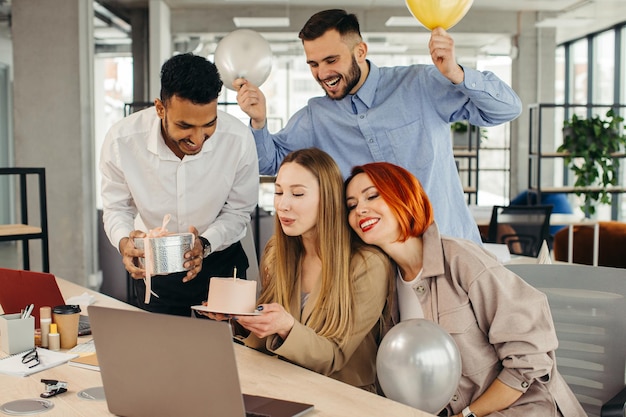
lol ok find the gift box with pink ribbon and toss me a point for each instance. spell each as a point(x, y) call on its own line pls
point(164, 252)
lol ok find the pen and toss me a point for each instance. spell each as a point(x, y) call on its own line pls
point(28, 311)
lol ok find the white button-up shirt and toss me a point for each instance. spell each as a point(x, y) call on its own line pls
point(142, 181)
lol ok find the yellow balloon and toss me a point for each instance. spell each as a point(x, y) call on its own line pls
point(439, 13)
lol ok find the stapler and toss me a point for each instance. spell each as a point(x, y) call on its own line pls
point(53, 387)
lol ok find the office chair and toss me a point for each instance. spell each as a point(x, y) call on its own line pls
point(522, 228)
point(588, 306)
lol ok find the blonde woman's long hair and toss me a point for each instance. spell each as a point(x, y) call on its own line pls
point(332, 315)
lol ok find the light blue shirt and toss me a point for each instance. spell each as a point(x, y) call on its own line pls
point(400, 115)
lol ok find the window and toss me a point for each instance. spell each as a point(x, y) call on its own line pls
point(591, 71)
point(603, 69)
point(578, 72)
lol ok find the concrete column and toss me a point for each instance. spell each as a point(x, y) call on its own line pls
point(160, 43)
point(53, 113)
point(533, 80)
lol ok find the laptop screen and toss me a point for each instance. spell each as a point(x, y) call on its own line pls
point(161, 366)
point(20, 288)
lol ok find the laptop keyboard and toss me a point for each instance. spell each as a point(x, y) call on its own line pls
point(84, 328)
point(87, 347)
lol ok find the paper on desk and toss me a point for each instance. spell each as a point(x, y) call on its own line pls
point(544, 254)
point(85, 299)
point(47, 359)
point(500, 250)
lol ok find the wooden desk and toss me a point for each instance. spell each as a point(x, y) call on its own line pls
point(259, 374)
point(482, 217)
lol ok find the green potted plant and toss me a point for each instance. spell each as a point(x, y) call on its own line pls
point(591, 145)
point(460, 136)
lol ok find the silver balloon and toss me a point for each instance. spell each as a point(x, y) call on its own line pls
point(419, 365)
point(243, 53)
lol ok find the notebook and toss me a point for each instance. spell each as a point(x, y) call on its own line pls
point(87, 361)
point(13, 365)
point(161, 366)
point(20, 288)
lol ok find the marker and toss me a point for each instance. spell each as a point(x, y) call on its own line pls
point(28, 311)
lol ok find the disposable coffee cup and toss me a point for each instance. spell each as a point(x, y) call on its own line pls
point(66, 318)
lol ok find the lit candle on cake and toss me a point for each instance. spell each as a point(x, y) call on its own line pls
point(231, 295)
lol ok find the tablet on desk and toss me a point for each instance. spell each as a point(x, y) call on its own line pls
point(156, 365)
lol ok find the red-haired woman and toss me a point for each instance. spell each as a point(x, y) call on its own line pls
point(501, 325)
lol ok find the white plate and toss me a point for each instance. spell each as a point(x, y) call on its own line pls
point(206, 309)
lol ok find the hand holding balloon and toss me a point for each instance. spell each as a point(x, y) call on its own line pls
point(441, 46)
point(418, 364)
point(243, 53)
point(439, 13)
point(252, 102)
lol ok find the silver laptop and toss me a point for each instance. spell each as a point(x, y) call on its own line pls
point(156, 365)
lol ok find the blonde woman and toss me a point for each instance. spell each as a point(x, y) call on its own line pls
point(324, 295)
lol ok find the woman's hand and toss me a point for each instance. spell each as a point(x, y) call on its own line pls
point(274, 319)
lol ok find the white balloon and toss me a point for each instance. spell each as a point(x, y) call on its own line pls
point(418, 364)
point(243, 53)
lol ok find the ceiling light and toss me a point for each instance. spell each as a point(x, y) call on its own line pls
point(261, 22)
point(402, 21)
point(563, 23)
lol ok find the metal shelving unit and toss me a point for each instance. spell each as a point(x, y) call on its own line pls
point(537, 154)
point(25, 231)
point(466, 156)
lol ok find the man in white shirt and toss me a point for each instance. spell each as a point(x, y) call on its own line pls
point(186, 159)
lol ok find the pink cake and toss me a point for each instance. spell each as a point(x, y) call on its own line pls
point(231, 295)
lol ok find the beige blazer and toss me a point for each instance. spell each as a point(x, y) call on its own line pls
point(355, 362)
point(502, 326)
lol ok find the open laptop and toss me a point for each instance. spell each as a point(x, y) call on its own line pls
point(20, 288)
point(161, 366)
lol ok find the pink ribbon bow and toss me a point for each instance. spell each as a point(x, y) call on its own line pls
point(149, 260)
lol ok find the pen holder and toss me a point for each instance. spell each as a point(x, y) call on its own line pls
point(16, 334)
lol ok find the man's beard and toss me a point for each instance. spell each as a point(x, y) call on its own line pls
point(171, 140)
point(352, 79)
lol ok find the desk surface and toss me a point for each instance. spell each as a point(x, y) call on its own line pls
point(259, 374)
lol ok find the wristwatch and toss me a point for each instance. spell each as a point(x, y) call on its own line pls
point(467, 412)
point(206, 246)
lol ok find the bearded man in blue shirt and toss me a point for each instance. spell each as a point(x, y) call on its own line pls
point(398, 114)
